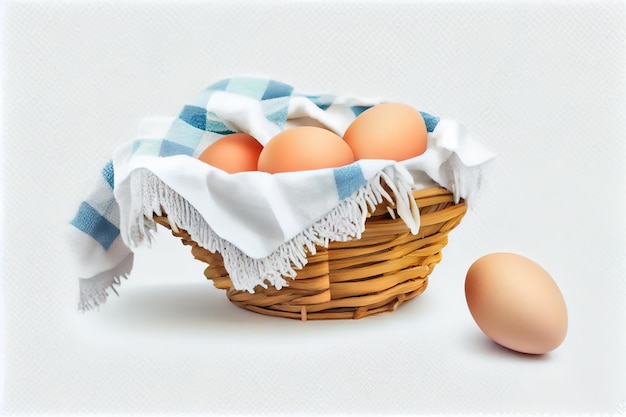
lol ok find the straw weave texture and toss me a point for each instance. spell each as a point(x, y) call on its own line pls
point(385, 268)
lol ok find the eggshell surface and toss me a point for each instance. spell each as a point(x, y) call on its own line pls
point(392, 131)
point(304, 148)
point(516, 303)
point(237, 152)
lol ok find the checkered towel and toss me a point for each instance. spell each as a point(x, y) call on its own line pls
point(263, 225)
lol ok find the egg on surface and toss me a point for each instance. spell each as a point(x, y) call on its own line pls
point(516, 303)
point(304, 148)
point(237, 152)
point(393, 131)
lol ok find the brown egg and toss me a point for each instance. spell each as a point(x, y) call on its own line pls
point(304, 148)
point(393, 131)
point(237, 152)
point(516, 303)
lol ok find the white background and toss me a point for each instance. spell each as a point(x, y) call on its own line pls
point(542, 84)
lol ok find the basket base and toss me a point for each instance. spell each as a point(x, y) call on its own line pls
point(377, 273)
point(319, 312)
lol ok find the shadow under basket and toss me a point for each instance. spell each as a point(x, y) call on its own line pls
point(385, 268)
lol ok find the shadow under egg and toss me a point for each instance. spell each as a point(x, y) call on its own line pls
point(483, 345)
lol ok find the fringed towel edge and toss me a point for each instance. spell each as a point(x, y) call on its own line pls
point(346, 221)
point(93, 291)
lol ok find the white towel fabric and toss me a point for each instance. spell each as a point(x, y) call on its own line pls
point(263, 225)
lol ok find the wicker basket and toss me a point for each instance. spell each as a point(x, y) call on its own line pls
point(387, 267)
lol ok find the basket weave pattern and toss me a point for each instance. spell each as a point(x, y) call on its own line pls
point(385, 268)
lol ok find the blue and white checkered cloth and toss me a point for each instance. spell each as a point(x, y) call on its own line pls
point(263, 225)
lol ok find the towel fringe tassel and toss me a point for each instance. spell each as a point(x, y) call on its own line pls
point(94, 291)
